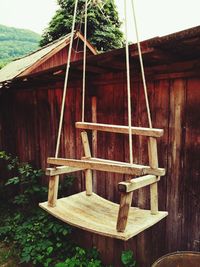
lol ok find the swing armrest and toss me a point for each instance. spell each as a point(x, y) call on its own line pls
point(136, 183)
point(61, 170)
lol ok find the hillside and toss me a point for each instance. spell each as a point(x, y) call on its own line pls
point(15, 43)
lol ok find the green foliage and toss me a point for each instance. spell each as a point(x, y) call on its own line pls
point(39, 238)
point(103, 24)
point(82, 258)
point(15, 43)
point(127, 259)
point(24, 187)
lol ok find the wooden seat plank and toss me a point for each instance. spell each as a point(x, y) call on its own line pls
point(125, 168)
point(91, 210)
point(120, 129)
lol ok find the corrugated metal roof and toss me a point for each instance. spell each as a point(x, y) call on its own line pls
point(16, 67)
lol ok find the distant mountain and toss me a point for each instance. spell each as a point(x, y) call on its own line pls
point(15, 43)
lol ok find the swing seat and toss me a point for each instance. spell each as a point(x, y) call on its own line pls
point(98, 215)
point(90, 212)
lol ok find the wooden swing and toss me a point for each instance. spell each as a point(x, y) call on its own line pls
point(87, 210)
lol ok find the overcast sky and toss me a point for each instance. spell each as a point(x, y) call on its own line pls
point(155, 17)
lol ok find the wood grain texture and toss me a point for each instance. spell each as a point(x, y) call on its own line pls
point(125, 168)
point(61, 170)
point(136, 183)
point(53, 190)
point(94, 138)
point(153, 162)
point(88, 172)
point(124, 207)
point(119, 129)
point(91, 210)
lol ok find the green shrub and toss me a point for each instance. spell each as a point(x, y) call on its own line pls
point(128, 259)
point(39, 238)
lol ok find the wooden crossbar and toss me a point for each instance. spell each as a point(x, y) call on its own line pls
point(119, 129)
point(107, 166)
point(61, 170)
point(136, 183)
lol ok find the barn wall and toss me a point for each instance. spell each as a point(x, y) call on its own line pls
point(29, 121)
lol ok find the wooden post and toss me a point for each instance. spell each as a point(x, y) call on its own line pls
point(94, 139)
point(53, 190)
point(153, 162)
point(88, 172)
point(125, 203)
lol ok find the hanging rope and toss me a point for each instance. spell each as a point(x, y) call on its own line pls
point(84, 63)
point(66, 81)
point(141, 65)
point(128, 86)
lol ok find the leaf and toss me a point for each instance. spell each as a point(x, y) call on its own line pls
point(14, 180)
point(49, 250)
point(127, 258)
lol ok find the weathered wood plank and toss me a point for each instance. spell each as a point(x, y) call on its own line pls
point(98, 215)
point(53, 190)
point(124, 207)
point(175, 167)
point(94, 138)
point(153, 162)
point(190, 175)
point(107, 166)
point(119, 129)
point(88, 172)
point(61, 170)
point(137, 183)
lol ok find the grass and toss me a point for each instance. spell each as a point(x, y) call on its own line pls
point(6, 257)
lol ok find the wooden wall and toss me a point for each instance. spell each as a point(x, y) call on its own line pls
point(28, 128)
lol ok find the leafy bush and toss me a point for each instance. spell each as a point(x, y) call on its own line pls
point(82, 258)
point(23, 185)
point(128, 259)
point(39, 238)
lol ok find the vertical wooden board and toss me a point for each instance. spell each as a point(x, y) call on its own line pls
point(102, 109)
point(191, 177)
point(8, 130)
point(135, 122)
point(26, 116)
point(157, 241)
point(68, 144)
point(57, 106)
point(110, 144)
point(80, 185)
point(144, 248)
point(94, 144)
point(118, 119)
point(143, 195)
point(160, 116)
point(53, 119)
point(44, 127)
point(175, 164)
